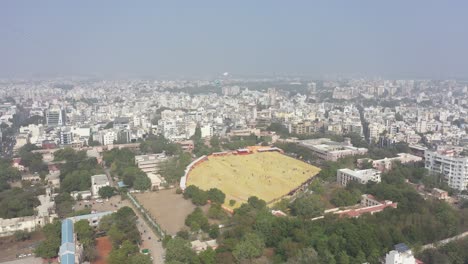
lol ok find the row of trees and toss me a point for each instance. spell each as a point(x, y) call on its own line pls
point(125, 237)
point(159, 144)
point(201, 197)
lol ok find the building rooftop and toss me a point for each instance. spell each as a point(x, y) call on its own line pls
point(67, 231)
point(90, 216)
point(149, 157)
point(402, 247)
point(362, 174)
point(99, 179)
point(67, 258)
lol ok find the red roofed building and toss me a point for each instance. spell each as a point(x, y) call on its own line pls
point(370, 205)
point(16, 163)
point(243, 151)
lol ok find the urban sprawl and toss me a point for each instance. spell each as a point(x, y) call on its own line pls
point(102, 170)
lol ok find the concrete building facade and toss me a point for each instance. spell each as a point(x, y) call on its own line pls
point(344, 176)
point(452, 166)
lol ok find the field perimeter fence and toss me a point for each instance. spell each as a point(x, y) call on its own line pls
point(147, 216)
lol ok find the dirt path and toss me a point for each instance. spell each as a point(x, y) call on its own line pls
point(444, 241)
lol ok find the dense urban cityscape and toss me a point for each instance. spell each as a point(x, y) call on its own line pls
point(233, 132)
point(97, 145)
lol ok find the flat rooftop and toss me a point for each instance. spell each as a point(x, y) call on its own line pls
point(99, 179)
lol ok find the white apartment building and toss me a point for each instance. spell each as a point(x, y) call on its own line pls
point(401, 255)
point(149, 163)
point(344, 176)
point(452, 166)
point(105, 137)
point(97, 182)
point(206, 131)
point(66, 136)
point(386, 164)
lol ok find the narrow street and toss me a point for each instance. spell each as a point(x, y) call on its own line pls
point(150, 241)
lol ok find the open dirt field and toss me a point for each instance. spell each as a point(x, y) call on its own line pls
point(103, 247)
point(267, 175)
point(167, 208)
point(11, 249)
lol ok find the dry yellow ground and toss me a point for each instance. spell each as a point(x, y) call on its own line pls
point(267, 175)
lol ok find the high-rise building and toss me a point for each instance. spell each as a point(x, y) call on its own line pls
point(66, 136)
point(448, 163)
point(55, 116)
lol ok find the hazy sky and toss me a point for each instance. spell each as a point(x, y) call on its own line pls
point(412, 39)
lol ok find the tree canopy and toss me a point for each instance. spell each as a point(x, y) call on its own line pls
point(50, 246)
point(122, 163)
point(18, 202)
point(106, 191)
point(7, 174)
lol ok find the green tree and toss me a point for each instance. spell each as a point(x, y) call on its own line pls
point(64, 204)
point(216, 212)
point(256, 203)
point(208, 256)
point(142, 182)
point(304, 256)
point(307, 206)
point(85, 235)
point(178, 249)
point(198, 196)
point(197, 220)
point(140, 259)
point(251, 246)
point(216, 195)
point(18, 202)
point(345, 197)
point(214, 231)
point(50, 246)
point(106, 192)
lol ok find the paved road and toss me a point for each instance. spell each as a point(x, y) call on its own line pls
point(445, 241)
point(109, 177)
point(150, 241)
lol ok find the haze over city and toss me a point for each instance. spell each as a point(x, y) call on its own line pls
point(393, 39)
